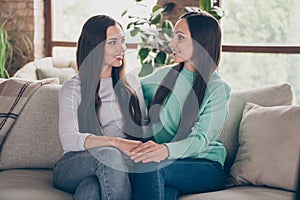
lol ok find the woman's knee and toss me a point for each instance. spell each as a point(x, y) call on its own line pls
point(110, 157)
point(106, 151)
point(151, 167)
point(89, 188)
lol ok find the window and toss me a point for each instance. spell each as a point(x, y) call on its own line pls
point(65, 19)
point(248, 70)
point(261, 40)
point(261, 22)
point(261, 43)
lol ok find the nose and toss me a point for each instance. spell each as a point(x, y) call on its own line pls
point(122, 47)
point(172, 43)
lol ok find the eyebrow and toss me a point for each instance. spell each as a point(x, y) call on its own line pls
point(179, 32)
point(123, 37)
point(112, 39)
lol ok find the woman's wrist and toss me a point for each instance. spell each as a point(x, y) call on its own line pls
point(92, 141)
point(114, 141)
point(168, 151)
point(86, 142)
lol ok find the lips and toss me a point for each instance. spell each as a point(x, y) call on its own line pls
point(119, 57)
point(175, 52)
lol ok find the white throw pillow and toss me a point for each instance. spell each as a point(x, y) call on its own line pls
point(50, 72)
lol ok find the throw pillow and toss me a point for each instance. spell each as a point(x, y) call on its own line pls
point(268, 95)
point(33, 141)
point(50, 72)
point(269, 141)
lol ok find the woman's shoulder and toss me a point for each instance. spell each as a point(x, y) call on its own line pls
point(74, 80)
point(71, 84)
point(163, 70)
point(132, 80)
point(216, 83)
point(158, 74)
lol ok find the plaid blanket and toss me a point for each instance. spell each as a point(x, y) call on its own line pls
point(14, 94)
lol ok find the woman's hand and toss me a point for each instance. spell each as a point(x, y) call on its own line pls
point(124, 145)
point(149, 152)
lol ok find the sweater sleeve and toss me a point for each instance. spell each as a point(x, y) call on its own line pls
point(69, 99)
point(206, 129)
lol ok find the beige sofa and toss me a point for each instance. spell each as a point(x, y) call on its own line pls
point(32, 148)
point(48, 67)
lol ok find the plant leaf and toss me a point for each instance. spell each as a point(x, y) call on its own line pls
point(155, 8)
point(168, 7)
point(156, 19)
point(160, 58)
point(219, 11)
point(134, 32)
point(146, 69)
point(191, 9)
point(167, 24)
point(129, 25)
point(123, 12)
point(143, 53)
point(4, 52)
point(167, 27)
point(205, 4)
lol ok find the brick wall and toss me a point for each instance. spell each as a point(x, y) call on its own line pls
point(25, 27)
point(39, 29)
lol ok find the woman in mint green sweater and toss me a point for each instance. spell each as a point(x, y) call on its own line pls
point(188, 106)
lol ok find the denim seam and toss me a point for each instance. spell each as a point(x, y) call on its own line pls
point(102, 166)
point(159, 185)
point(63, 160)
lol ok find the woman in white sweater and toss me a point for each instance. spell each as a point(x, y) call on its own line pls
point(100, 111)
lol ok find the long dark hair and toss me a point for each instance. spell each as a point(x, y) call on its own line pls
point(89, 55)
point(206, 34)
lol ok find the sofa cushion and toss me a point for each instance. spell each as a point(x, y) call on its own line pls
point(271, 95)
point(243, 193)
point(269, 141)
point(33, 142)
point(29, 185)
point(29, 70)
point(51, 72)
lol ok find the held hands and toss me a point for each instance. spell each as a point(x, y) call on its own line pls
point(142, 152)
point(149, 152)
point(138, 151)
point(126, 146)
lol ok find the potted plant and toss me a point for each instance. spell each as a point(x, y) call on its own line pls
point(155, 33)
point(153, 50)
point(208, 6)
point(13, 44)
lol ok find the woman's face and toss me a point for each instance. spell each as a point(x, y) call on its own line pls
point(114, 47)
point(181, 43)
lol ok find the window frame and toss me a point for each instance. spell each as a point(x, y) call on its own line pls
point(281, 49)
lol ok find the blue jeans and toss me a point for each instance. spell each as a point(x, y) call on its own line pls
point(99, 173)
point(170, 180)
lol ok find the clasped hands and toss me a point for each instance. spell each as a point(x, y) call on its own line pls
point(144, 152)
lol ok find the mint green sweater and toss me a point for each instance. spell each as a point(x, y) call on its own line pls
point(203, 140)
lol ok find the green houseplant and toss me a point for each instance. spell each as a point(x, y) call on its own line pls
point(14, 44)
point(5, 50)
point(153, 50)
point(208, 6)
point(154, 33)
